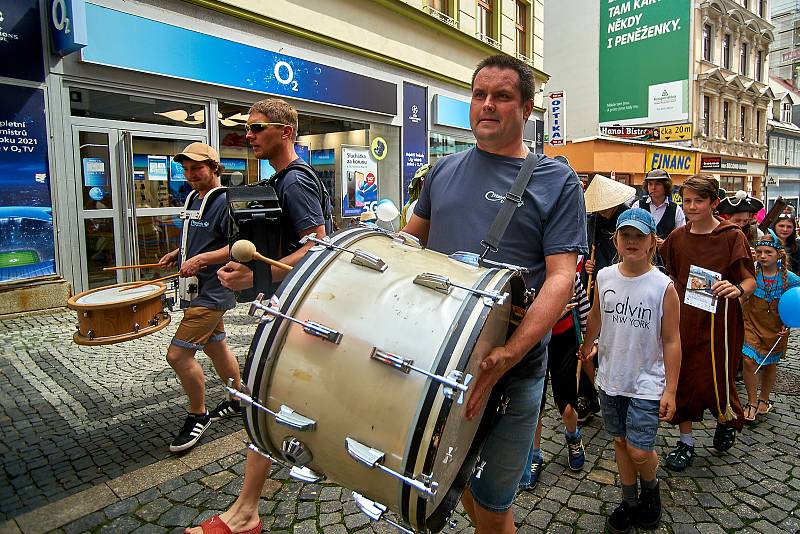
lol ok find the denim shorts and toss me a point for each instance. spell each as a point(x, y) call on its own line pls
point(636, 420)
point(504, 456)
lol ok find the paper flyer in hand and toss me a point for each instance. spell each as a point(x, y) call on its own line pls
point(698, 288)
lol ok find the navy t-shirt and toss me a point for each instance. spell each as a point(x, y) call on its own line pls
point(463, 193)
point(206, 234)
point(299, 197)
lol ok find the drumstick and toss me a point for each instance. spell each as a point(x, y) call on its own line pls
point(590, 281)
point(142, 266)
point(243, 251)
point(141, 284)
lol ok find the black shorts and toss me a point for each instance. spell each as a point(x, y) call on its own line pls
point(562, 366)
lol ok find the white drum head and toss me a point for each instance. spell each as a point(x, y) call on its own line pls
point(113, 295)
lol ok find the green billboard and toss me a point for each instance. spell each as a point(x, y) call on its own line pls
point(644, 61)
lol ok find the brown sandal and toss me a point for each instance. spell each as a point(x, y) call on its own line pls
point(749, 408)
point(769, 407)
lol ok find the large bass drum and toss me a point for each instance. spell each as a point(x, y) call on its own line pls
point(364, 361)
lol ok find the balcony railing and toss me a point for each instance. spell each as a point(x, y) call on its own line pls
point(488, 40)
point(444, 17)
point(524, 58)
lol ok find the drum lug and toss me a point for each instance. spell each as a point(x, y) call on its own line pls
point(90, 334)
point(285, 416)
point(455, 383)
point(133, 308)
point(372, 458)
point(360, 257)
point(403, 238)
point(136, 327)
point(309, 327)
point(375, 510)
point(86, 315)
point(442, 284)
point(448, 457)
point(304, 474)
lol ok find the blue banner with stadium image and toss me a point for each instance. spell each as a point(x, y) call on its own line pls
point(27, 248)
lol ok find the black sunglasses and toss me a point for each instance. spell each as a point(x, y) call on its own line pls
point(258, 127)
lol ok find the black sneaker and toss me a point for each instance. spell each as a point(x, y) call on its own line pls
point(680, 457)
point(193, 428)
point(586, 408)
point(226, 408)
point(621, 519)
point(648, 513)
point(724, 437)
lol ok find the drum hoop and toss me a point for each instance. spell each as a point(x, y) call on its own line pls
point(425, 407)
point(298, 279)
point(444, 415)
point(73, 304)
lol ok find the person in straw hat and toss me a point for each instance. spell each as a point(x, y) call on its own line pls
point(605, 200)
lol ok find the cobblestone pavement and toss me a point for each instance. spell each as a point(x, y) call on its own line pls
point(86, 430)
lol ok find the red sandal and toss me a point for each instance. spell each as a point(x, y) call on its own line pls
point(215, 525)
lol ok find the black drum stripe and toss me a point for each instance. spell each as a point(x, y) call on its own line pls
point(328, 255)
point(433, 388)
point(447, 405)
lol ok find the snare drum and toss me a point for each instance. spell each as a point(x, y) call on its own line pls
point(109, 315)
point(363, 362)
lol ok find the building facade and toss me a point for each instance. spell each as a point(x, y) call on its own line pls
point(784, 60)
point(677, 85)
point(382, 85)
point(783, 172)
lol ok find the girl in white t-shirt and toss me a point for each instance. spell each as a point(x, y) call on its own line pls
point(636, 314)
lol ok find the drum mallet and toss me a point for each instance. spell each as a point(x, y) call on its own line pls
point(244, 251)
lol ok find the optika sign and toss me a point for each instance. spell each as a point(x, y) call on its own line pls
point(556, 118)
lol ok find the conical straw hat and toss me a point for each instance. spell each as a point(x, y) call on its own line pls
point(604, 193)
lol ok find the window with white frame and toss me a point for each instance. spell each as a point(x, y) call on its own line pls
point(786, 112)
point(790, 152)
point(707, 32)
point(759, 67)
point(773, 151)
point(781, 151)
point(706, 114)
point(743, 58)
point(797, 152)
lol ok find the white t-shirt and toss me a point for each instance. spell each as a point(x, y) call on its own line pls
point(630, 351)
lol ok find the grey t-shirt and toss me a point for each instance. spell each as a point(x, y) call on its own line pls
point(463, 193)
point(205, 234)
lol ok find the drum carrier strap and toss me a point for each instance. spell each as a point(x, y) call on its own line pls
point(511, 202)
point(194, 215)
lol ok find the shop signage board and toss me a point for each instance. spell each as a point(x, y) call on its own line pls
point(556, 118)
point(790, 55)
point(415, 132)
point(644, 61)
point(450, 112)
point(168, 50)
point(21, 40)
point(673, 161)
point(26, 216)
point(359, 181)
point(67, 22)
point(675, 132)
point(638, 133)
point(721, 164)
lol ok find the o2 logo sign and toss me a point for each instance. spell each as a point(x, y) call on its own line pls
point(58, 14)
point(284, 73)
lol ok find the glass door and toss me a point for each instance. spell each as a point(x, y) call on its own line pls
point(130, 193)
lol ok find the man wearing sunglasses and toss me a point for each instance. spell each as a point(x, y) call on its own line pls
point(306, 208)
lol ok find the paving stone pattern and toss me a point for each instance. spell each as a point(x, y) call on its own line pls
point(59, 429)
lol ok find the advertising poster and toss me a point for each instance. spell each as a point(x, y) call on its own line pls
point(21, 39)
point(360, 181)
point(415, 132)
point(26, 216)
point(157, 168)
point(646, 42)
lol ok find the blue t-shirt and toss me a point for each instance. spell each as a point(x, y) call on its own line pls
point(206, 234)
point(462, 195)
point(771, 288)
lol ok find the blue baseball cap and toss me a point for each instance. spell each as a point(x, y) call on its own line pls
point(639, 219)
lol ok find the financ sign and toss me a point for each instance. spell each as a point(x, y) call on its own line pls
point(644, 61)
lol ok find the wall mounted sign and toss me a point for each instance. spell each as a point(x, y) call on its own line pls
point(168, 50)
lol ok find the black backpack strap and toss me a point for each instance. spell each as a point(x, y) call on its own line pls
point(300, 165)
point(512, 201)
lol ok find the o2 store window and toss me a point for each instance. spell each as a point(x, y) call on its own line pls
point(443, 145)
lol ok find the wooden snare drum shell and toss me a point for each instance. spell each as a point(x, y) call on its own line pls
point(350, 395)
point(114, 322)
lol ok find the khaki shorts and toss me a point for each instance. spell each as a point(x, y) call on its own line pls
point(200, 326)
